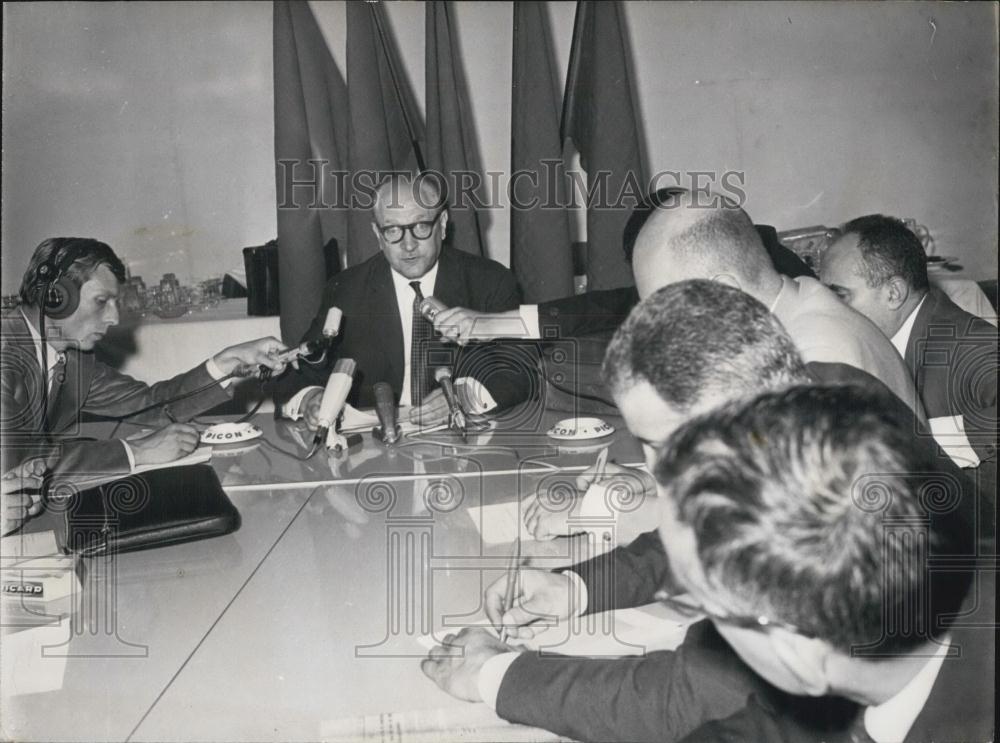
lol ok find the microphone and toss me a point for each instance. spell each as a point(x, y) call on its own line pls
point(331, 329)
point(430, 307)
point(338, 386)
point(387, 431)
point(442, 375)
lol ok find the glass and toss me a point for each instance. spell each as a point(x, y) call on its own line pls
point(690, 610)
point(393, 233)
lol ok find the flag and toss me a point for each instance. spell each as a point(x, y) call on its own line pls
point(600, 118)
point(540, 241)
point(310, 124)
point(384, 122)
point(450, 146)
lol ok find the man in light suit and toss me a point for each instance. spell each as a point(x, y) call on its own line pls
point(383, 331)
point(69, 298)
point(878, 267)
point(685, 349)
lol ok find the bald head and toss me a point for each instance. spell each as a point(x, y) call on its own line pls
point(684, 239)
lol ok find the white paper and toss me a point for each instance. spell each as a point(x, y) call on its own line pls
point(199, 456)
point(500, 523)
point(18, 547)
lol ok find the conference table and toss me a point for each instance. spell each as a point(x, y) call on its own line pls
point(317, 609)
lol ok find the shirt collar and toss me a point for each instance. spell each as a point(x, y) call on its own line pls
point(54, 356)
point(890, 722)
point(785, 281)
point(902, 337)
point(427, 281)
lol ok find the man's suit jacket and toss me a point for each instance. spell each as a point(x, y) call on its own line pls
point(953, 357)
point(664, 695)
point(83, 385)
point(371, 332)
point(960, 706)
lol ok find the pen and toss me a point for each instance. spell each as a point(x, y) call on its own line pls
point(508, 599)
point(601, 464)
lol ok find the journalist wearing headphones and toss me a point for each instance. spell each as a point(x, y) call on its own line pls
point(69, 299)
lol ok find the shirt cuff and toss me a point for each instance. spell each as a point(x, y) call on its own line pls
point(477, 398)
point(130, 455)
point(578, 588)
point(529, 316)
point(217, 374)
point(491, 676)
point(291, 408)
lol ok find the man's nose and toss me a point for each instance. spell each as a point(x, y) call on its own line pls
point(410, 243)
point(111, 314)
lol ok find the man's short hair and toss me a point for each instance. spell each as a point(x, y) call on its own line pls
point(793, 496)
point(87, 255)
point(888, 248)
point(660, 198)
point(429, 190)
point(696, 337)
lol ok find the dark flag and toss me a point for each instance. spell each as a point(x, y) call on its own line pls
point(600, 118)
point(384, 118)
point(450, 146)
point(310, 124)
point(540, 252)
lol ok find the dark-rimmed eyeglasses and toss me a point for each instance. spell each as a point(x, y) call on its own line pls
point(690, 610)
point(393, 233)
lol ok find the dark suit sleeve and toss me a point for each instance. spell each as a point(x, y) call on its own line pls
point(592, 313)
point(660, 696)
point(626, 576)
point(114, 394)
point(506, 369)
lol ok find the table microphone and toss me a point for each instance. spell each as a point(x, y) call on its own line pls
point(387, 431)
point(338, 386)
point(442, 375)
point(430, 307)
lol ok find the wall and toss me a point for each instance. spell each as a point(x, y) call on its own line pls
point(150, 125)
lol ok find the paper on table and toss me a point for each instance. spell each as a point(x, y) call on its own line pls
point(499, 523)
point(199, 456)
point(24, 667)
point(470, 723)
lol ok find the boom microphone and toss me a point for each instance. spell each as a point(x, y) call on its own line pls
point(387, 431)
point(338, 386)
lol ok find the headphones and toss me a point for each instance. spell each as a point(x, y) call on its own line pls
point(59, 296)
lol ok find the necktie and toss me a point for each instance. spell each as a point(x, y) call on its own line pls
point(422, 333)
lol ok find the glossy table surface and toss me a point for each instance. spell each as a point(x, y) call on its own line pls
point(314, 609)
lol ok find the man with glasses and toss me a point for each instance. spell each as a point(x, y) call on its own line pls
point(684, 350)
point(382, 329)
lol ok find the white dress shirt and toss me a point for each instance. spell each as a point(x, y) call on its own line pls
point(902, 336)
point(890, 721)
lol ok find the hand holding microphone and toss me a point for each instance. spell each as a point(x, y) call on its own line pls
point(461, 325)
point(331, 329)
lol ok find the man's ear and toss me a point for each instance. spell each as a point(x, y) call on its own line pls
point(443, 224)
point(804, 658)
point(728, 279)
point(896, 292)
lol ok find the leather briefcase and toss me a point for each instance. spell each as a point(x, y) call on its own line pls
point(153, 509)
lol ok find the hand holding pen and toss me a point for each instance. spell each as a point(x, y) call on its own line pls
point(539, 599)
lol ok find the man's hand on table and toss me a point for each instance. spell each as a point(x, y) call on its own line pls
point(165, 445)
point(546, 516)
point(260, 352)
point(455, 666)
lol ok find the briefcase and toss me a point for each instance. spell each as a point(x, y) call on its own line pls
point(154, 509)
